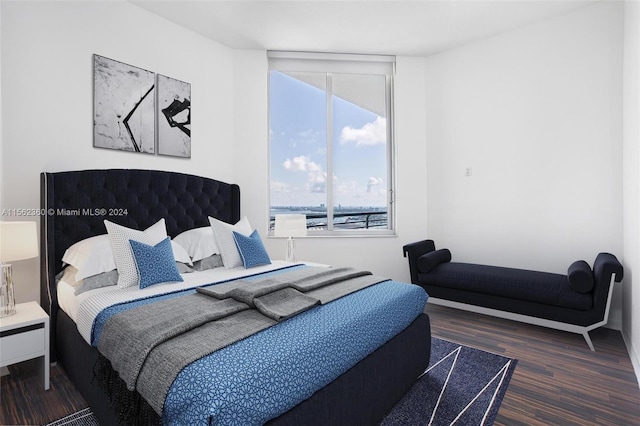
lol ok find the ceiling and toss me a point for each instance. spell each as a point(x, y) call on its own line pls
point(395, 27)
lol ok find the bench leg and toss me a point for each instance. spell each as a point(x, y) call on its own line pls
point(588, 339)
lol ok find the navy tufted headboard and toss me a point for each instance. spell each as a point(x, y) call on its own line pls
point(75, 204)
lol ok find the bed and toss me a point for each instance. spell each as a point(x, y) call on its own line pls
point(76, 204)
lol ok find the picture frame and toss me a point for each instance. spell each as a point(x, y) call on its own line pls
point(173, 117)
point(124, 106)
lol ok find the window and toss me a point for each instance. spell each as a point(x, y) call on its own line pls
point(331, 145)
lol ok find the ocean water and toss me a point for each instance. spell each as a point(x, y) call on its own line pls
point(343, 217)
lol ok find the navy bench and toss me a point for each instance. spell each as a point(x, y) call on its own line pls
point(577, 302)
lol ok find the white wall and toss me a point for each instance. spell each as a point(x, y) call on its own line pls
point(537, 115)
point(47, 79)
point(251, 130)
point(382, 255)
point(631, 166)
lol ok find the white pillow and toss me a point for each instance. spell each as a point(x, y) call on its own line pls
point(223, 233)
point(103, 279)
point(198, 242)
point(180, 254)
point(91, 256)
point(68, 275)
point(119, 236)
point(94, 255)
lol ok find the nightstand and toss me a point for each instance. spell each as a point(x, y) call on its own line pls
point(25, 335)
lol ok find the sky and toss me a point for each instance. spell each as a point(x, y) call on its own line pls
point(298, 148)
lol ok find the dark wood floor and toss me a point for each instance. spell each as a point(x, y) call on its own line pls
point(25, 402)
point(558, 380)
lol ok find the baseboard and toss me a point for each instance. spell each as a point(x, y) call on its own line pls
point(613, 324)
point(635, 361)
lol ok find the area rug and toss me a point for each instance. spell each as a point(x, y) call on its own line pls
point(462, 386)
point(81, 418)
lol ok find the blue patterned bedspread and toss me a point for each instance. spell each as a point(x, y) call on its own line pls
point(265, 375)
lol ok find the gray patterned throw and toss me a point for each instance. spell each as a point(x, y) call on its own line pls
point(149, 345)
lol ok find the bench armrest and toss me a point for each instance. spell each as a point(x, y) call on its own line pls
point(414, 251)
point(605, 267)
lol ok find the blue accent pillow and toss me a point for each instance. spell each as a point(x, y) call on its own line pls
point(251, 249)
point(155, 264)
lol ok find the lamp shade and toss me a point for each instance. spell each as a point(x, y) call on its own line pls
point(290, 225)
point(18, 241)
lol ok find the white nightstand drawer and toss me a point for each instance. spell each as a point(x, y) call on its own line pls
point(22, 345)
point(25, 335)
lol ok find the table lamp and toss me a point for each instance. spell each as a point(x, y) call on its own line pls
point(18, 241)
point(290, 226)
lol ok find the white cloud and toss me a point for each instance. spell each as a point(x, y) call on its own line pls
point(370, 192)
point(300, 164)
point(314, 167)
point(318, 188)
point(370, 134)
point(305, 137)
point(373, 183)
point(309, 135)
point(317, 180)
point(316, 177)
point(277, 186)
point(349, 187)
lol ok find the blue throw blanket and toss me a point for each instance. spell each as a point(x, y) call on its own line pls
point(265, 375)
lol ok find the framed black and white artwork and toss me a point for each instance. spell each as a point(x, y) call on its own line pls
point(124, 106)
point(174, 117)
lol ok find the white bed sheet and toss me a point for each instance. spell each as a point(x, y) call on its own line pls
point(106, 296)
